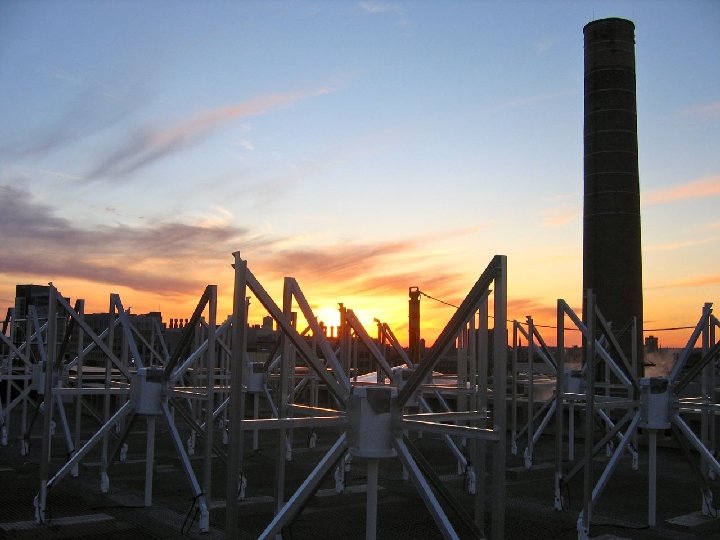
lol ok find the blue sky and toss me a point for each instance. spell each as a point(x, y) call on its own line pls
point(362, 147)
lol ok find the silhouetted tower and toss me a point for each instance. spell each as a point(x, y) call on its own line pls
point(414, 325)
point(612, 259)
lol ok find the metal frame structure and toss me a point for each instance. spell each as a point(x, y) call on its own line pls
point(652, 404)
point(599, 345)
point(143, 390)
point(535, 346)
point(371, 418)
point(206, 379)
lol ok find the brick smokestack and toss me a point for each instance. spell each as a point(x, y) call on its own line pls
point(612, 258)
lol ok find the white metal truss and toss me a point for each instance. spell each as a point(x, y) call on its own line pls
point(536, 346)
point(205, 379)
point(144, 387)
point(652, 404)
point(371, 418)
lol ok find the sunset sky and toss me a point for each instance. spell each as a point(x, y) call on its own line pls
point(361, 147)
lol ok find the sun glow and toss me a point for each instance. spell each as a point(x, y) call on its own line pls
point(328, 316)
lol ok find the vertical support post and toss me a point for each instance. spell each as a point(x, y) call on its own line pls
point(343, 330)
point(210, 362)
point(124, 360)
point(51, 337)
point(256, 415)
point(24, 444)
point(461, 356)
point(149, 459)
point(530, 393)
point(571, 431)
point(5, 420)
point(559, 401)
point(584, 521)
point(79, 379)
point(237, 396)
point(414, 325)
point(652, 477)
point(481, 405)
point(380, 375)
point(287, 351)
point(472, 356)
point(513, 372)
point(292, 364)
point(104, 480)
point(713, 388)
point(499, 397)
point(638, 371)
point(372, 499)
point(706, 416)
point(354, 362)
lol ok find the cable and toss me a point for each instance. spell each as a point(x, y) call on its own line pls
point(618, 526)
point(668, 329)
point(710, 502)
point(490, 316)
point(117, 507)
point(437, 299)
point(310, 436)
point(197, 511)
point(564, 484)
point(465, 482)
point(645, 330)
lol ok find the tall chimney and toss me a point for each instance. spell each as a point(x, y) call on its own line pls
point(612, 258)
point(414, 325)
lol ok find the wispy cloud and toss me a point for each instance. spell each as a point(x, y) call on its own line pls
point(441, 283)
point(176, 259)
point(554, 218)
point(154, 258)
point(367, 269)
point(86, 114)
point(150, 144)
point(34, 171)
point(531, 100)
point(701, 188)
point(543, 45)
point(350, 262)
point(541, 312)
point(338, 263)
point(372, 6)
point(672, 246)
point(703, 110)
point(701, 280)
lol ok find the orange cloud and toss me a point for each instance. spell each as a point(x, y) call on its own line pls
point(558, 217)
point(161, 259)
point(701, 280)
point(672, 246)
point(703, 187)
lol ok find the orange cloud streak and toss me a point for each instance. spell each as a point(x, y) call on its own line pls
point(693, 281)
point(703, 187)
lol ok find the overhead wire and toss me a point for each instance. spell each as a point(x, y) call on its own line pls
point(437, 299)
point(645, 330)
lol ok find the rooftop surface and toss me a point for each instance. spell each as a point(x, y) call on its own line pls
point(77, 509)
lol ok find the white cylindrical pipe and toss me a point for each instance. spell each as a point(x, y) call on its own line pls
point(372, 498)
point(652, 477)
point(149, 459)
